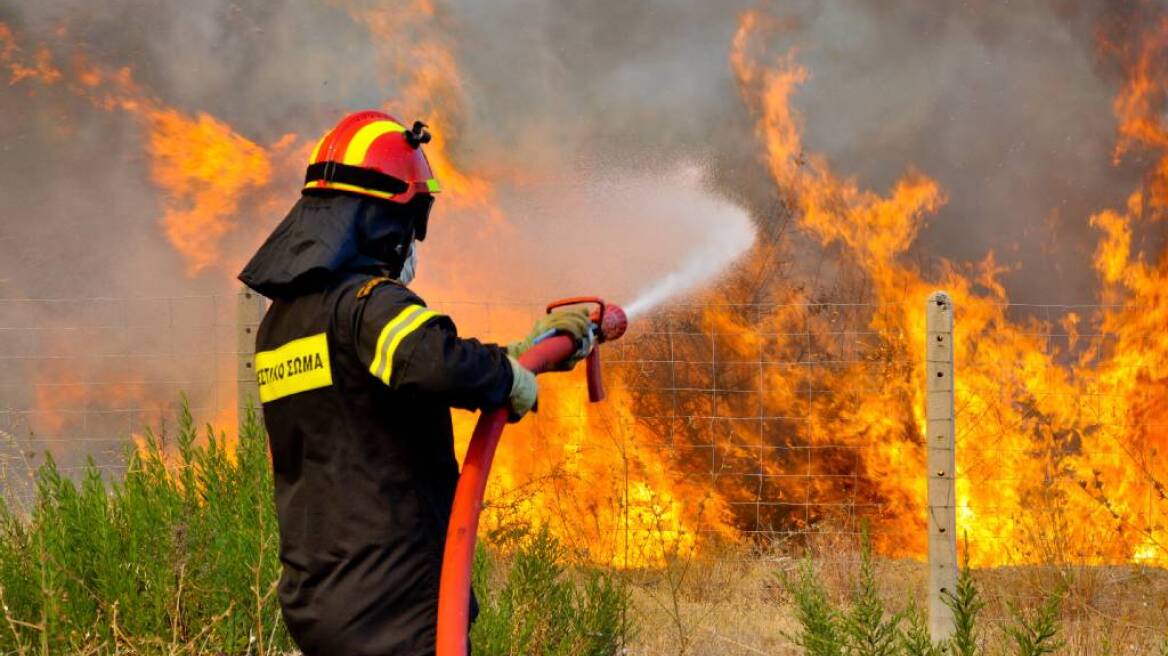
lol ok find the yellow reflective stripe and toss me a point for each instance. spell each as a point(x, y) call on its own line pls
point(326, 184)
point(360, 143)
point(298, 366)
point(396, 330)
point(432, 186)
point(391, 348)
point(387, 331)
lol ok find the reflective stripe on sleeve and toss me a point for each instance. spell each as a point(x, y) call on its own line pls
point(397, 329)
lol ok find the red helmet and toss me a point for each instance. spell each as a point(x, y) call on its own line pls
point(372, 154)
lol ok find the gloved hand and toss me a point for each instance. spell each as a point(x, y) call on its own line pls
point(573, 321)
point(524, 390)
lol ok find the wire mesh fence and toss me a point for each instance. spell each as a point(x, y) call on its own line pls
point(760, 423)
point(80, 377)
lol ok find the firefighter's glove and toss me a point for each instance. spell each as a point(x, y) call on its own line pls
point(570, 321)
point(524, 390)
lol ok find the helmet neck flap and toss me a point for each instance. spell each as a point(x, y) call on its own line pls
point(329, 235)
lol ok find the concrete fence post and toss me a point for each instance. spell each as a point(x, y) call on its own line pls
point(941, 462)
point(249, 309)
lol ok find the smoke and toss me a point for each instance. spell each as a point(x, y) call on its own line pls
point(570, 122)
point(1007, 107)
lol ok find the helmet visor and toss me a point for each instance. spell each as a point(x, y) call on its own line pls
point(419, 208)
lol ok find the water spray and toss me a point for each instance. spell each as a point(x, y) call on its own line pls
point(609, 322)
point(689, 276)
point(716, 251)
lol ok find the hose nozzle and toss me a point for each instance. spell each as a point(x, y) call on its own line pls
point(610, 323)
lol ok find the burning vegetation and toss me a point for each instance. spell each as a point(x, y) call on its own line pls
point(767, 405)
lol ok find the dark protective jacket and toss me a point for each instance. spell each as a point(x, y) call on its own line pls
point(357, 377)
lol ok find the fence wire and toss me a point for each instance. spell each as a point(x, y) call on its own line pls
point(788, 422)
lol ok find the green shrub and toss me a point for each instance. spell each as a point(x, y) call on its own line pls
point(966, 604)
point(540, 611)
point(914, 639)
point(178, 556)
point(820, 633)
point(868, 629)
point(1037, 634)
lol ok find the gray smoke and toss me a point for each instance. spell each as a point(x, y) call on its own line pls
point(1006, 105)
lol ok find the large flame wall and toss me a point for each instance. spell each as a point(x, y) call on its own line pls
point(787, 398)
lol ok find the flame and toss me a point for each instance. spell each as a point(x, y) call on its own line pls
point(598, 479)
point(39, 68)
point(201, 165)
point(1055, 459)
point(205, 168)
point(420, 61)
point(790, 429)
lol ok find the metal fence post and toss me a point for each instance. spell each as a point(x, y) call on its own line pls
point(941, 462)
point(249, 311)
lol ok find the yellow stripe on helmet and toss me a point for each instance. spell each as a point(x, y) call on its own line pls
point(328, 184)
point(319, 145)
point(360, 143)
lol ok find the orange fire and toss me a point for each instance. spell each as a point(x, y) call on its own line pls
point(40, 67)
point(420, 62)
point(798, 416)
point(203, 168)
point(592, 474)
point(1056, 459)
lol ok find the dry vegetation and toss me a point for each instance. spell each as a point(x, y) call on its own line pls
point(179, 558)
point(733, 605)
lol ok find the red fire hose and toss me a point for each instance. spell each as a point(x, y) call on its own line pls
point(609, 323)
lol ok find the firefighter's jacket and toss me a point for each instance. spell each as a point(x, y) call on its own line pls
point(357, 381)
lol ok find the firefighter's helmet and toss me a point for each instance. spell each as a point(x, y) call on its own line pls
point(371, 153)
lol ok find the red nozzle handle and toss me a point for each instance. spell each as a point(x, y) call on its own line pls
point(611, 322)
point(577, 300)
point(595, 377)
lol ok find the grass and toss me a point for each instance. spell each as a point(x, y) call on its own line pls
point(1100, 611)
point(178, 556)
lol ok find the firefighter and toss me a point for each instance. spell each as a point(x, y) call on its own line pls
point(357, 377)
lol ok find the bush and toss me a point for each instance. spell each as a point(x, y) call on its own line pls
point(1036, 634)
point(966, 604)
point(869, 630)
point(820, 633)
point(178, 556)
point(540, 610)
point(866, 628)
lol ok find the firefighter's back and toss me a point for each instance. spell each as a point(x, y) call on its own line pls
point(364, 475)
